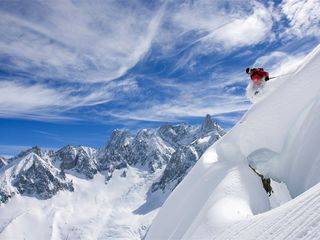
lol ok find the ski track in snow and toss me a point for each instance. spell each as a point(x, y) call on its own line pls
point(221, 197)
point(297, 219)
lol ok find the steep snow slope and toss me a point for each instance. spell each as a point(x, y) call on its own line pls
point(279, 135)
point(297, 219)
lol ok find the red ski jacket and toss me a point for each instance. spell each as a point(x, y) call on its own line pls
point(257, 74)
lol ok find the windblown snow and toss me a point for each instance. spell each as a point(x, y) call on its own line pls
point(222, 198)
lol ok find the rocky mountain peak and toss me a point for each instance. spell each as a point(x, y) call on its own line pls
point(34, 149)
point(175, 134)
point(67, 155)
point(120, 137)
point(208, 124)
point(33, 176)
point(86, 162)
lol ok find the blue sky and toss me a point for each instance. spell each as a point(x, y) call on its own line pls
point(72, 71)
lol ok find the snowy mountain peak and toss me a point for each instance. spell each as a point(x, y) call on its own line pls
point(33, 176)
point(68, 156)
point(120, 137)
point(34, 149)
point(27, 161)
point(209, 125)
point(178, 134)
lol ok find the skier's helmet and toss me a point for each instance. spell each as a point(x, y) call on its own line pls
point(248, 70)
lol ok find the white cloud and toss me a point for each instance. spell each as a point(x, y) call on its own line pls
point(205, 27)
point(191, 100)
point(280, 63)
point(303, 16)
point(248, 30)
point(38, 101)
point(81, 47)
point(77, 41)
point(173, 112)
point(19, 97)
point(241, 23)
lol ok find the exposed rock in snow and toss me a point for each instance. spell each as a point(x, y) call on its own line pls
point(30, 175)
point(35, 150)
point(80, 159)
point(209, 125)
point(187, 154)
point(153, 149)
point(34, 176)
point(180, 163)
point(117, 152)
point(67, 156)
point(86, 161)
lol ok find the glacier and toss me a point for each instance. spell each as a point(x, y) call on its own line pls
point(222, 198)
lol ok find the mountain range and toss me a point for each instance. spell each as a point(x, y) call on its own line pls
point(148, 165)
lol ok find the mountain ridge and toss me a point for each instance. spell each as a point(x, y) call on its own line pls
point(150, 149)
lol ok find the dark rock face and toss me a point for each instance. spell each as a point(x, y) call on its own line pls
point(180, 162)
point(149, 150)
point(5, 196)
point(31, 175)
point(188, 153)
point(68, 156)
point(117, 153)
point(40, 179)
point(81, 159)
point(177, 135)
point(86, 162)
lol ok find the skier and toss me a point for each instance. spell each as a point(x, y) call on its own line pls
point(258, 75)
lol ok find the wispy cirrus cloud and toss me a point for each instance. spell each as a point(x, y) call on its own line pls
point(76, 41)
point(40, 101)
point(216, 25)
point(57, 56)
point(62, 56)
point(303, 17)
point(195, 99)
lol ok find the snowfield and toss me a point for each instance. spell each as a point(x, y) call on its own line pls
point(222, 198)
point(93, 211)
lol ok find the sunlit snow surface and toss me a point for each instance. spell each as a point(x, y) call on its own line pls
point(221, 198)
point(94, 211)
